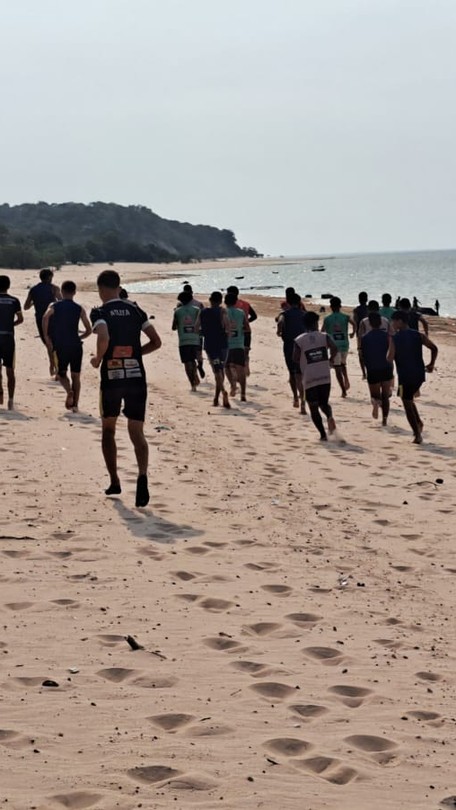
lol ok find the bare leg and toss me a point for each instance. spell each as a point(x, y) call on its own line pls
point(327, 410)
point(109, 448)
point(294, 389)
point(345, 376)
point(340, 379)
point(361, 363)
point(190, 370)
point(65, 383)
point(11, 378)
point(232, 379)
point(300, 388)
point(1, 386)
point(317, 420)
point(76, 387)
point(240, 374)
point(386, 388)
point(413, 419)
point(136, 432)
point(247, 361)
point(376, 396)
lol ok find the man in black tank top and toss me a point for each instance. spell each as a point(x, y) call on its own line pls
point(291, 324)
point(39, 297)
point(215, 327)
point(118, 325)
point(64, 316)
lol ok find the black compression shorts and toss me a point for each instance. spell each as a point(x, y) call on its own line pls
point(133, 396)
point(236, 357)
point(318, 395)
point(379, 375)
point(408, 390)
point(7, 350)
point(188, 354)
point(69, 356)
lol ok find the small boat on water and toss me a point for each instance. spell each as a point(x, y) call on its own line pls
point(319, 268)
point(238, 277)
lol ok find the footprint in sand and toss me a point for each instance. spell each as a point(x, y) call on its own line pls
point(116, 674)
point(449, 802)
point(171, 722)
point(432, 718)
point(223, 644)
point(185, 576)
point(259, 566)
point(215, 605)
point(78, 800)
point(19, 605)
point(381, 749)
point(428, 676)
point(65, 602)
point(277, 590)
point(303, 619)
point(308, 711)
point(271, 689)
point(251, 667)
point(197, 550)
point(289, 746)
point(351, 696)
point(16, 554)
point(263, 628)
point(110, 639)
point(325, 655)
point(327, 768)
point(164, 775)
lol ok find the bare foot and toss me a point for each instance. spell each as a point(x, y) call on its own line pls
point(296, 403)
point(10, 405)
point(418, 439)
point(69, 400)
point(344, 393)
point(226, 402)
point(243, 398)
point(233, 391)
point(215, 402)
point(374, 408)
point(303, 408)
point(331, 424)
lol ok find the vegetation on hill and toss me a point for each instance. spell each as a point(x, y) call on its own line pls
point(36, 235)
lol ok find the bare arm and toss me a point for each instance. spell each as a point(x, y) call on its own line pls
point(174, 324)
point(280, 325)
point(425, 324)
point(87, 326)
point(28, 301)
point(46, 318)
point(19, 318)
point(102, 334)
point(391, 353)
point(333, 350)
point(246, 324)
point(353, 326)
point(57, 293)
point(252, 314)
point(434, 352)
point(154, 342)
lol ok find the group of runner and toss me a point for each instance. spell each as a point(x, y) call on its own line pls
point(384, 335)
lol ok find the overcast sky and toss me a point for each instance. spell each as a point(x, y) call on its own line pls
point(306, 126)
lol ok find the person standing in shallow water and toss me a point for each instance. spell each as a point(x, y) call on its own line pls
point(118, 325)
point(406, 349)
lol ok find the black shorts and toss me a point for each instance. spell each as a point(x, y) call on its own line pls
point(68, 356)
point(288, 351)
point(236, 357)
point(39, 326)
point(217, 358)
point(7, 350)
point(408, 390)
point(379, 375)
point(318, 395)
point(133, 396)
point(188, 354)
point(247, 340)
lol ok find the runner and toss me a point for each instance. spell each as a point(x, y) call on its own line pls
point(186, 323)
point(251, 316)
point(40, 296)
point(365, 327)
point(336, 326)
point(235, 363)
point(118, 325)
point(375, 346)
point(359, 313)
point(214, 326)
point(63, 318)
point(386, 309)
point(406, 348)
point(199, 304)
point(414, 318)
point(311, 352)
point(290, 325)
point(10, 316)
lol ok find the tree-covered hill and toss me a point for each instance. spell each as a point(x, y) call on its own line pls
point(33, 235)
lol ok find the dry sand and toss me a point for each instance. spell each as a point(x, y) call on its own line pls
point(262, 683)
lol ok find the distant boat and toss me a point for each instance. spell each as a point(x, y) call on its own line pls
point(319, 268)
point(238, 277)
point(275, 272)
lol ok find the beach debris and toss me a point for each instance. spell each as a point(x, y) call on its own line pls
point(133, 643)
point(49, 682)
point(73, 670)
point(439, 480)
point(161, 427)
point(344, 580)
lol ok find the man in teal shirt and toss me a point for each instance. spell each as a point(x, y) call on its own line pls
point(336, 326)
point(387, 310)
point(235, 362)
point(186, 323)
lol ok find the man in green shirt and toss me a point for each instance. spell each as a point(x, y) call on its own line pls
point(186, 323)
point(386, 309)
point(336, 326)
point(235, 362)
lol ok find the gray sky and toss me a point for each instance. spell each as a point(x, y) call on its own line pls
point(306, 126)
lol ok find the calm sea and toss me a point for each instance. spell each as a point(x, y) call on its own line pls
point(428, 275)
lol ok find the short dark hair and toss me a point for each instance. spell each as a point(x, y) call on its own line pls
point(404, 303)
point(373, 306)
point(46, 274)
point(362, 297)
point(185, 297)
point(310, 318)
point(233, 289)
point(230, 299)
point(289, 293)
point(123, 293)
point(295, 300)
point(4, 283)
point(386, 299)
point(400, 315)
point(109, 279)
point(68, 287)
point(216, 297)
point(335, 302)
point(188, 288)
point(375, 319)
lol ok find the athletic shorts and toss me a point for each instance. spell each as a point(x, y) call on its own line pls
point(68, 356)
point(340, 359)
point(217, 358)
point(408, 390)
point(379, 375)
point(7, 350)
point(318, 395)
point(133, 396)
point(247, 340)
point(188, 354)
point(288, 351)
point(236, 357)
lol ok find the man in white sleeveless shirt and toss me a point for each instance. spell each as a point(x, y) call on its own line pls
point(311, 352)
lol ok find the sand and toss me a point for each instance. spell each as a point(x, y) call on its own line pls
point(295, 601)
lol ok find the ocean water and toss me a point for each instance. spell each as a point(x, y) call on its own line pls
point(429, 275)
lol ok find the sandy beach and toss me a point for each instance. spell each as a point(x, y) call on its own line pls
point(294, 601)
